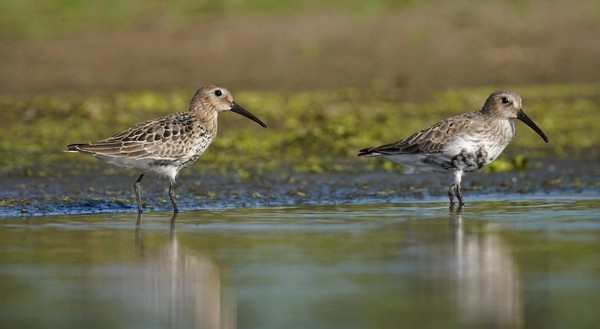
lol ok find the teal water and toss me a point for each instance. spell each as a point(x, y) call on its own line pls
point(502, 264)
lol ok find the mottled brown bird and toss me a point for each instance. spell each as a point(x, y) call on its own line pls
point(167, 144)
point(462, 143)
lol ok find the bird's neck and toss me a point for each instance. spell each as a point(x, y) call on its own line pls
point(207, 117)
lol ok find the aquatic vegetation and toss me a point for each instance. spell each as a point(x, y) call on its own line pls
point(312, 131)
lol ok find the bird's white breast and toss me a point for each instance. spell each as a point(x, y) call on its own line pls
point(477, 148)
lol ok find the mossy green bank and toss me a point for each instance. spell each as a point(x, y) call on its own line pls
point(311, 131)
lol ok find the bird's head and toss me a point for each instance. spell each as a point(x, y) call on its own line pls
point(216, 99)
point(506, 104)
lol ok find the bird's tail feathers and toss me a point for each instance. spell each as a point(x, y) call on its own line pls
point(367, 152)
point(74, 147)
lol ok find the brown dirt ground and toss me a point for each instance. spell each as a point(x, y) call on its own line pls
point(427, 47)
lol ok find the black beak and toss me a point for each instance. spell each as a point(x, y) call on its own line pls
point(523, 117)
point(240, 110)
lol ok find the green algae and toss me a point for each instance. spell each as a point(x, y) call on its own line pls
point(312, 131)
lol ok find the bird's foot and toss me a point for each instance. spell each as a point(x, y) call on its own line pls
point(459, 196)
point(454, 191)
point(451, 195)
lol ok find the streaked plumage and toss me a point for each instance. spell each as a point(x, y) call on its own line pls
point(170, 143)
point(462, 143)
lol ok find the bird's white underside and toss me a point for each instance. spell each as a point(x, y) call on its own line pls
point(145, 165)
point(466, 143)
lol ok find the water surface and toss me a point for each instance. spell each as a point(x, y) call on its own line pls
point(503, 263)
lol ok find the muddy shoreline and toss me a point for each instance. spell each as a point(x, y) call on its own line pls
point(111, 192)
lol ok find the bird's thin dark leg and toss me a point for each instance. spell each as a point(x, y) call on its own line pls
point(459, 196)
point(138, 198)
point(451, 195)
point(172, 196)
point(455, 189)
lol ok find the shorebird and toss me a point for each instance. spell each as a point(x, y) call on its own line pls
point(463, 143)
point(167, 144)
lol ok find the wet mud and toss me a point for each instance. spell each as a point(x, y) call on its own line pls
point(103, 191)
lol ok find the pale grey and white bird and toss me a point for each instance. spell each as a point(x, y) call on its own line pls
point(167, 144)
point(463, 143)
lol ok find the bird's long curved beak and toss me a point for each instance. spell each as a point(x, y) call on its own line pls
point(523, 117)
point(240, 110)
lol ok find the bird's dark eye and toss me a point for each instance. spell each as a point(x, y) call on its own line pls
point(504, 100)
point(218, 93)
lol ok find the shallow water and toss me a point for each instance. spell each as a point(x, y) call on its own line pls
point(499, 263)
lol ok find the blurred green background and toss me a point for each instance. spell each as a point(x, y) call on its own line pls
point(413, 45)
point(346, 74)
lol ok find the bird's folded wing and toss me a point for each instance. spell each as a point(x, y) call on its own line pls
point(132, 149)
point(430, 140)
point(159, 138)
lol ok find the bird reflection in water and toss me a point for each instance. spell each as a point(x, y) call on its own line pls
point(486, 279)
point(182, 288)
